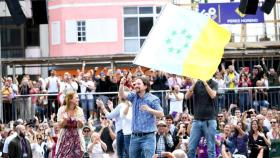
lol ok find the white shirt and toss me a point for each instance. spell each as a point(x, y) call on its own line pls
point(53, 87)
point(176, 105)
point(84, 85)
point(7, 142)
point(266, 123)
point(270, 136)
point(97, 151)
point(37, 150)
point(221, 84)
point(126, 119)
point(66, 87)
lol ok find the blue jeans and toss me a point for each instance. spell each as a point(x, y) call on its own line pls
point(142, 146)
point(260, 103)
point(127, 144)
point(207, 129)
point(87, 105)
point(221, 102)
point(120, 145)
point(244, 101)
point(40, 111)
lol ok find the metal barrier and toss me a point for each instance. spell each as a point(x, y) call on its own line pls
point(245, 98)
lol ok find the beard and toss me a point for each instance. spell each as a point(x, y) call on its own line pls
point(137, 90)
point(22, 134)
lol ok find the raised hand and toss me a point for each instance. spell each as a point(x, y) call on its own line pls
point(110, 105)
point(99, 103)
point(123, 80)
point(193, 80)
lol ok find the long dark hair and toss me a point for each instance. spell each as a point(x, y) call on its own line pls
point(251, 130)
point(243, 127)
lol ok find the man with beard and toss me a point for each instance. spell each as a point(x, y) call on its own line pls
point(145, 108)
point(20, 146)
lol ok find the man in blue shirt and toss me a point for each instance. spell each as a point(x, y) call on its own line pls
point(145, 108)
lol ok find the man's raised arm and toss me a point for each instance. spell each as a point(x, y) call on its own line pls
point(122, 93)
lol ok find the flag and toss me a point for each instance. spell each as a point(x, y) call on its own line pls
point(185, 43)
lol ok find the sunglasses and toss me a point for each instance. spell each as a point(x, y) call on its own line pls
point(272, 122)
point(220, 116)
point(103, 118)
point(39, 138)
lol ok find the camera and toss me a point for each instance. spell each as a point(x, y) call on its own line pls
point(88, 89)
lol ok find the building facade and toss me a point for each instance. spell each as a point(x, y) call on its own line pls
point(98, 27)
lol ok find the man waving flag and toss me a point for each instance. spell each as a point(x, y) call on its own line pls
point(184, 42)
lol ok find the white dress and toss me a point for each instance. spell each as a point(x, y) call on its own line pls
point(97, 151)
point(176, 105)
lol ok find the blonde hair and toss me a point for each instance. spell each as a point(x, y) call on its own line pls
point(70, 95)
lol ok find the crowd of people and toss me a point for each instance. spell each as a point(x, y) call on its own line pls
point(67, 119)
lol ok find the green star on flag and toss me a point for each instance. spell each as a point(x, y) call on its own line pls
point(185, 43)
point(180, 40)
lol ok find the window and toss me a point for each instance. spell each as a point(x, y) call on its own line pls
point(91, 30)
point(138, 22)
point(11, 37)
point(81, 31)
point(55, 32)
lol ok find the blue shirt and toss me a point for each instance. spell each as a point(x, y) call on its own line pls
point(143, 121)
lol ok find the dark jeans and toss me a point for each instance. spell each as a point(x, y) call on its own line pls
point(127, 144)
point(51, 99)
point(221, 102)
point(120, 145)
point(7, 111)
point(230, 98)
point(274, 97)
point(244, 101)
point(40, 112)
